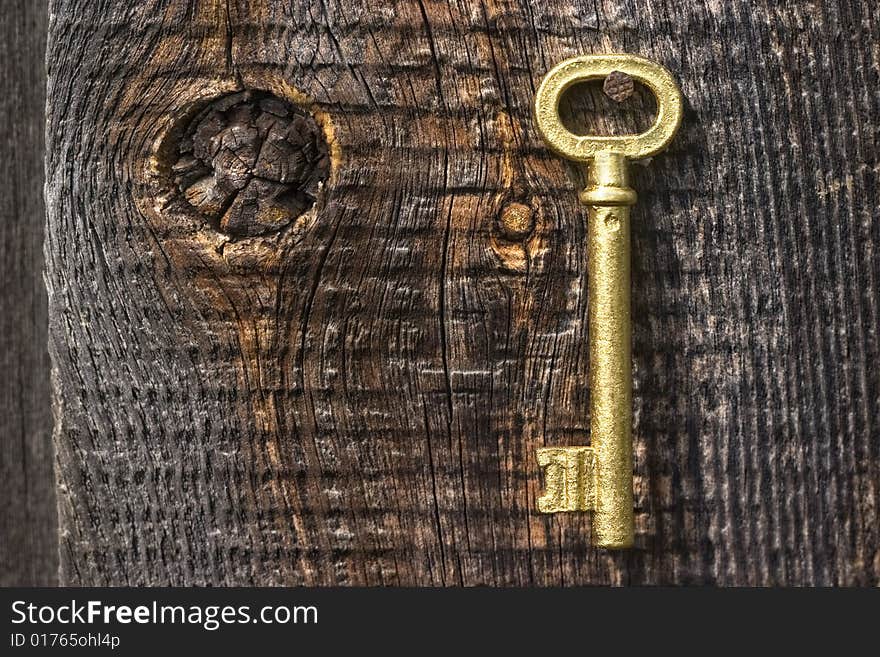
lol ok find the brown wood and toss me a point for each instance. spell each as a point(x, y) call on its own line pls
point(28, 525)
point(357, 398)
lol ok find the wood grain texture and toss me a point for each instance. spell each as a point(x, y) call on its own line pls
point(28, 525)
point(357, 399)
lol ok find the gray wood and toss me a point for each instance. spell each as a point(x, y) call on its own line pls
point(357, 398)
point(28, 525)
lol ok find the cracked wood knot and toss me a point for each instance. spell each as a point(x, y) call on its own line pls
point(251, 163)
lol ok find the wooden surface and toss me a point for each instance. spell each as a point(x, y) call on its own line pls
point(357, 398)
point(28, 525)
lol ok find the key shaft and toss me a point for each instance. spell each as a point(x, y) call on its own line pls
point(609, 197)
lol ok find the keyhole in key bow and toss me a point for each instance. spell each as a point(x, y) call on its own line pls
point(585, 108)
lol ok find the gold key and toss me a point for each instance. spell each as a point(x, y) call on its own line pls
point(599, 477)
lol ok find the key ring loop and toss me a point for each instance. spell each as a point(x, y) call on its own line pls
point(583, 148)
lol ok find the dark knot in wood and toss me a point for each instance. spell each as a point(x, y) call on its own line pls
point(251, 163)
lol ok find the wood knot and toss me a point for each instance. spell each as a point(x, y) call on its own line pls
point(618, 86)
point(517, 235)
point(251, 163)
point(516, 221)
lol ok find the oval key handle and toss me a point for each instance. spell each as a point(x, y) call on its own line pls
point(583, 148)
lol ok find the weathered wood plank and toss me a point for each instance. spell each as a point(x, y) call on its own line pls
point(28, 525)
point(357, 398)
